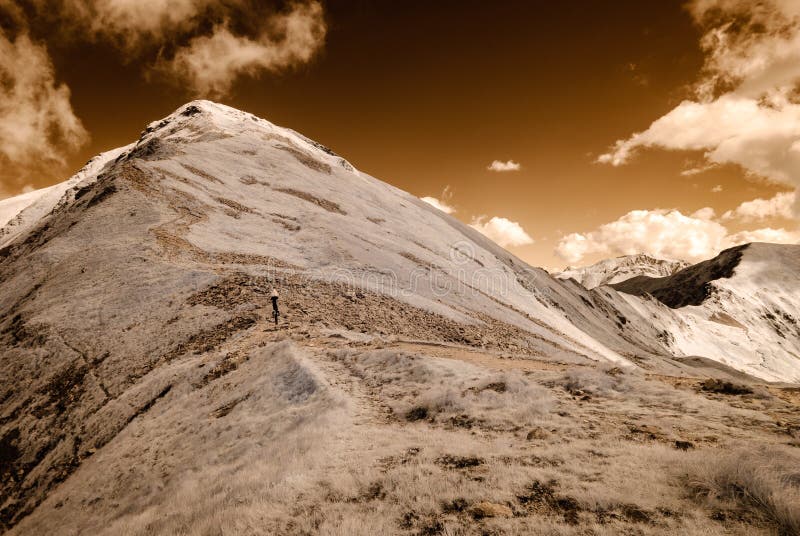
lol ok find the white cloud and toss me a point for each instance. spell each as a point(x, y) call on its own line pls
point(775, 236)
point(128, 22)
point(215, 53)
point(442, 202)
point(745, 111)
point(500, 166)
point(212, 63)
point(664, 234)
point(661, 233)
point(501, 230)
point(690, 172)
point(780, 206)
point(717, 189)
point(441, 205)
point(731, 129)
point(37, 124)
point(752, 46)
point(705, 213)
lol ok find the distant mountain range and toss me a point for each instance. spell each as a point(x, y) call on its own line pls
point(619, 269)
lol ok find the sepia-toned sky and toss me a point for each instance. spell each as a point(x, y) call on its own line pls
point(566, 131)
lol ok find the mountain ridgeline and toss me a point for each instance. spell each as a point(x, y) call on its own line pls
point(131, 292)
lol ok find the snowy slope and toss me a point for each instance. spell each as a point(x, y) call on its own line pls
point(12, 206)
point(740, 308)
point(19, 214)
point(310, 208)
point(618, 269)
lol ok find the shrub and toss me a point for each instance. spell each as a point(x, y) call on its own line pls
point(725, 387)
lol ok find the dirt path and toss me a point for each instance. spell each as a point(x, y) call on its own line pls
point(480, 357)
point(368, 408)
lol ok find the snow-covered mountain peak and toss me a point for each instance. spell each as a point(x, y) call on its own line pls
point(201, 119)
point(615, 270)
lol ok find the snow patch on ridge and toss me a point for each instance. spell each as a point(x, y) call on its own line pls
point(19, 214)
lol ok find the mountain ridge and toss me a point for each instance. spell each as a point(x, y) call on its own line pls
point(618, 269)
point(145, 285)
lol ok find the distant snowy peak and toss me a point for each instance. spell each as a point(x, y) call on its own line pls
point(691, 286)
point(747, 270)
point(609, 271)
point(19, 214)
point(739, 308)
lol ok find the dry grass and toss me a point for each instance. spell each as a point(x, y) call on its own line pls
point(358, 440)
point(749, 484)
point(449, 392)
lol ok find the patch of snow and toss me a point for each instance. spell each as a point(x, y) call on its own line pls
point(19, 214)
point(618, 269)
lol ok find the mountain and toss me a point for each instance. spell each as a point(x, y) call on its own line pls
point(618, 269)
point(145, 390)
point(739, 308)
point(19, 214)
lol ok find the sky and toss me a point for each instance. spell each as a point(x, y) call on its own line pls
point(565, 131)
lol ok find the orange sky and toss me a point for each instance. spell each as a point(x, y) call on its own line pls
point(425, 95)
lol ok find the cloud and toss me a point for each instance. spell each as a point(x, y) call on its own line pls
point(690, 172)
point(731, 129)
point(212, 63)
point(751, 48)
point(717, 189)
point(38, 126)
point(204, 45)
point(780, 206)
point(441, 205)
point(661, 233)
point(706, 213)
point(502, 231)
point(774, 236)
point(745, 109)
point(130, 22)
point(664, 234)
point(500, 166)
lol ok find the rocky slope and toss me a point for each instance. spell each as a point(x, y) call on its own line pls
point(619, 269)
point(740, 308)
point(138, 363)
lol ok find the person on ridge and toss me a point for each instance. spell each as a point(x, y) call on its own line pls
point(274, 298)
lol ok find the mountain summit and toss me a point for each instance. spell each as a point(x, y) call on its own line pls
point(139, 361)
point(618, 269)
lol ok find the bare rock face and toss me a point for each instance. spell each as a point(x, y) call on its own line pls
point(690, 286)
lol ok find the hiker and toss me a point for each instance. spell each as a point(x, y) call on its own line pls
point(274, 298)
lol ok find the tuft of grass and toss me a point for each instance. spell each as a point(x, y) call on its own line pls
point(764, 483)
